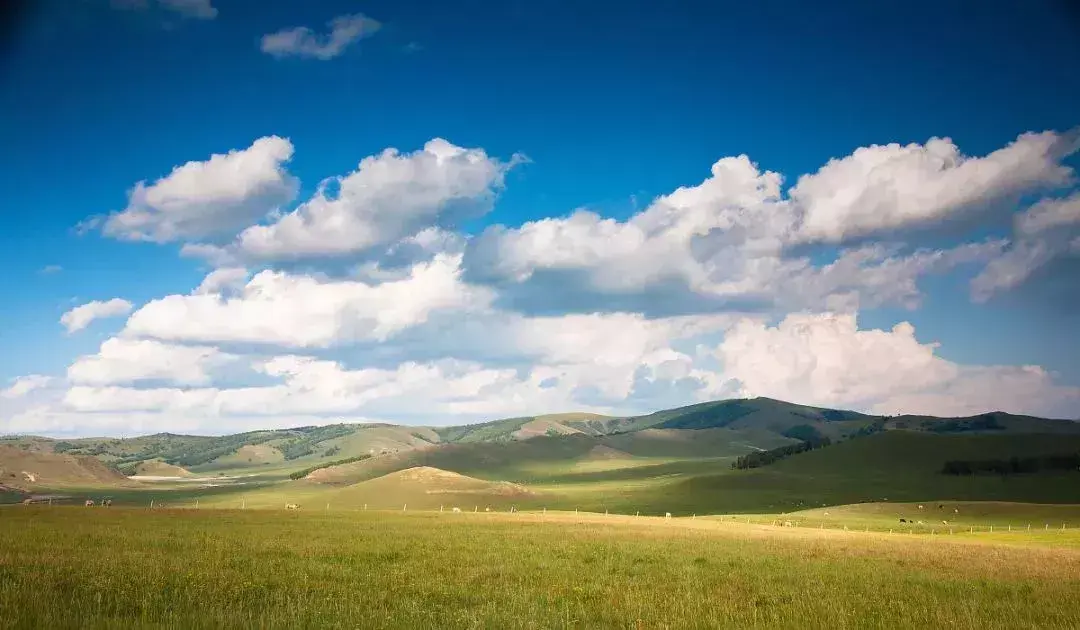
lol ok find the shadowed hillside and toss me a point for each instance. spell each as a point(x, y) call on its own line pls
point(681, 458)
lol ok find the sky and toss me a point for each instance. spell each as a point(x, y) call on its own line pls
point(222, 215)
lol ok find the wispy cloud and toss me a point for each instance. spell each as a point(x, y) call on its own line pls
point(198, 9)
point(301, 41)
point(80, 317)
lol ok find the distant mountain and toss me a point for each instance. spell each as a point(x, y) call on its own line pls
point(719, 428)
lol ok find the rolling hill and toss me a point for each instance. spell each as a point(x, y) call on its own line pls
point(680, 458)
point(425, 487)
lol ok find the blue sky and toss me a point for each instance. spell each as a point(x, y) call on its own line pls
point(615, 110)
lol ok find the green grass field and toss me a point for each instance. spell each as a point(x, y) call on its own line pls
point(78, 567)
point(983, 551)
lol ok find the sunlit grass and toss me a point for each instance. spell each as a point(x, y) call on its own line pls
point(74, 567)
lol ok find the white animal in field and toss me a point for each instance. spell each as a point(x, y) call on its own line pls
point(826, 514)
point(789, 524)
point(457, 510)
point(487, 509)
point(956, 510)
point(667, 514)
point(89, 503)
point(918, 522)
point(944, 522)
point(292, 506)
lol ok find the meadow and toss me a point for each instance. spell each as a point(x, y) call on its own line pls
point(66, 567)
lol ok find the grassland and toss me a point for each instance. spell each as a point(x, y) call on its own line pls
point(72, 567)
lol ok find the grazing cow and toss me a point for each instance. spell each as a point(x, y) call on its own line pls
point(106, 502)
point(457, 510)
point(292, 506)
point(920, 507)
point(789, 524)
point(89, 503)
point(667, 514)
point(946, 523)
point(918, 522)
point(903, 520)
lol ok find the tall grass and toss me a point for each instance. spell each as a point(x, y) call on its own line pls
point(73, 567)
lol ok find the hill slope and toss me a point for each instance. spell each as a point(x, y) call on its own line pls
point(28, 469)
point(705, 430)
point(888, 466)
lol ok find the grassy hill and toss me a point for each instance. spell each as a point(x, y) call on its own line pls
point(674, 460)
point(888, 466)
point(158, 468)
point(28, 469)
point(751, 424)
point(424, 487)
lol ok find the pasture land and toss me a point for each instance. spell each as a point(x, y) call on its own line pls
point(78, 567)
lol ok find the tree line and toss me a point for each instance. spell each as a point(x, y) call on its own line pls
point(300, 474)
point(1013, 465)
point(764, 458)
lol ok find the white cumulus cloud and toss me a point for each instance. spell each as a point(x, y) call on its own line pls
point(303, 311)
point(724, 241)
point(81, 316)
point(824, 359)
point(200, 199)
point(125, 361)
point(885, 187)
point(388, 197)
